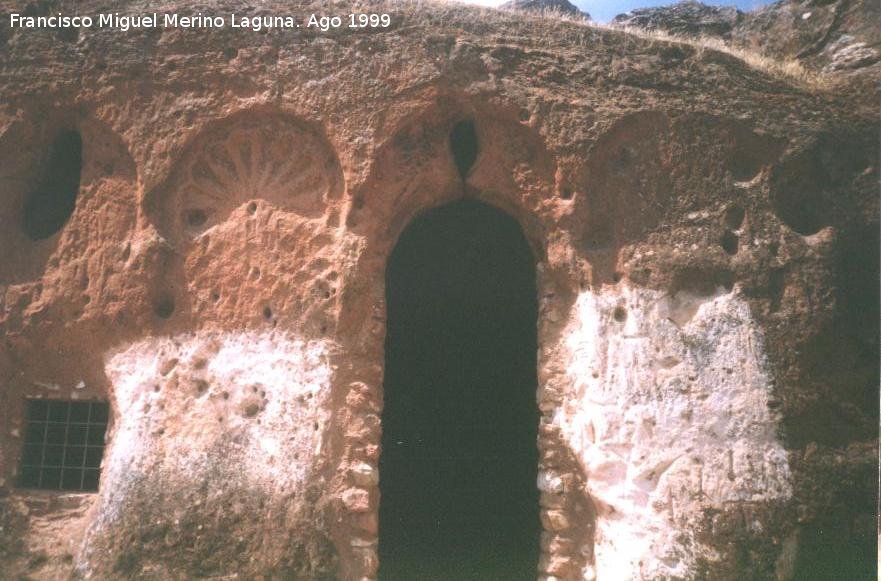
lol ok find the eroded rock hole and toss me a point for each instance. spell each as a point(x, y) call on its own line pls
point(624, 158)
point(734, 216)
point(50, 204)
point(459, 460)
point(196, 218)
point(163, 307)
point(464, 145)
point(798, 194)
point(729, 242)
point(745, 165)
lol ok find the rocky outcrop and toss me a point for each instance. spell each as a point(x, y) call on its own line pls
point(545, 6)
point(837, 38)
point(689, 18)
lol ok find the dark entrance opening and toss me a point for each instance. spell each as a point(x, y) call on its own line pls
point(459, 457)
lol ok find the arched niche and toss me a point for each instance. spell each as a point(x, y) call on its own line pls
point(417, 166)
point(251, 199)
point(242, 161)
point(648, 166)
point(69, 186)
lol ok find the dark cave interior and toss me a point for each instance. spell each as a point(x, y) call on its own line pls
point(459, 461)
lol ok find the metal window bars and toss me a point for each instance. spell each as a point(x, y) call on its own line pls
point(63, 444)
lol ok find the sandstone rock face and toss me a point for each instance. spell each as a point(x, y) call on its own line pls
point(705, 237)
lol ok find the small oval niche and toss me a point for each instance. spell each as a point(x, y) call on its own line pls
point(464, 145)
point(49, 206)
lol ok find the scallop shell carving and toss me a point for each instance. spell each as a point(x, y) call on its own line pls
point(271, 159)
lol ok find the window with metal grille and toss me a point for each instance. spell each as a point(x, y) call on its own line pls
point(63, 444)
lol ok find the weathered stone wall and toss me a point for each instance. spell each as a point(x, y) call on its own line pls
point(253, 410)
point(668, 411)
point(706, 239)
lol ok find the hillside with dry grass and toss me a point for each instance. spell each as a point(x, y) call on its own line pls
point(833, 45)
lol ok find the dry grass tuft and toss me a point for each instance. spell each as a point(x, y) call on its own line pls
point(787, 69)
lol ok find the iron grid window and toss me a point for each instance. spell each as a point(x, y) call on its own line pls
point(63, 444)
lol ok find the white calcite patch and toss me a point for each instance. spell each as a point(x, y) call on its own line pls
point(179, 400)
point(669, 416)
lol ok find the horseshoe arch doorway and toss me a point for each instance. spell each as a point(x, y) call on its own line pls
point(459, 457)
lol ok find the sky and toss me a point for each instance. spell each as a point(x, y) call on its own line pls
point(605, 10)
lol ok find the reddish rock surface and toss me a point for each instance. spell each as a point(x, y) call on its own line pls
point(706, 238)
